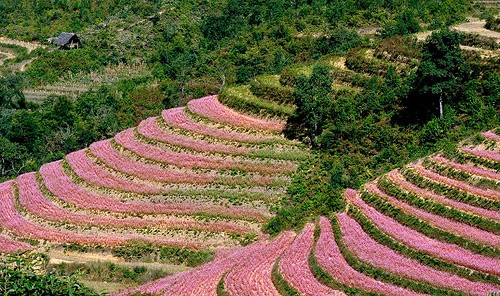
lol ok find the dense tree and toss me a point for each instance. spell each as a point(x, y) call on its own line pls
point(312, 97)
point(11, 95)
point(440, 76)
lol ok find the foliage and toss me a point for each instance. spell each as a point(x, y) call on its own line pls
point(107, 272)
point(366, 134)
point(312, 98)
point(476, 40)
point(339, 41)
point(24, 275)
point(134, 251)
point(441, 75)
point(35, 134)
point(404, 23)
point(493, 23)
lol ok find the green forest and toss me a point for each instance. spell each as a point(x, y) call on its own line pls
point(406, 98)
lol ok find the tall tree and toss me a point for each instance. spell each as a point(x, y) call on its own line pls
point(312, 97)
point(441, 73)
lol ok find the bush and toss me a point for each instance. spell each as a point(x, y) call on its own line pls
point(493, 23)
point(22, 275)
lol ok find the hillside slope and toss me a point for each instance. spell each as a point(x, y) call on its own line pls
point(200, 177)
point(432, 227)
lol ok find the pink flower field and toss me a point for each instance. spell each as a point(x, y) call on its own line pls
point(105, 152)
point(331, 260)
point(202, 182)
point(487, 154)
point(210, 107)
point(491, 135)
point(368, 250)
point(487, 193)
point(398, 179)
point(460, 229)
point(294, 266)
point(468, 168)
point(414, 239)
point(253, 277)
point(150, 129)
point(176, 117)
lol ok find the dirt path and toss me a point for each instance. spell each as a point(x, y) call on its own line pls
point(57, 257)
point(474, 26)
point(477, 26)
point(141, 21)
point(7, 55)
point(483, 52)
point(22, 66)
point(29, 45)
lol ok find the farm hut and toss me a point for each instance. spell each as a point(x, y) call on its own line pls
point(67, 41)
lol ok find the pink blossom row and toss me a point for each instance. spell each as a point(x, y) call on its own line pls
point(491, 135)
point(35, 202)
point(399, 180)
point(373, 253)
point(416, 240)
point(202, 280)
point(331, 260)
point(127, 140)
point(8, 245)
point(177, 118)
point(254, 276)
point(488, 154)
point(294, 266)
point(460, 229)
point(467, 168)
point(62, 186)
point(86, 169)
point(105, 151)
point(210, 107)
point(150, 129)
point(488, 193)
point(10, 219)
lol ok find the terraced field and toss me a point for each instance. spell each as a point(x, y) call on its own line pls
point(432, 227)
point(200, 177)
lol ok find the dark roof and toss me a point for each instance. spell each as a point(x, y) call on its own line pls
point(63, 38)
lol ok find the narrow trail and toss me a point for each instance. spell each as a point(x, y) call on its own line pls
point(7, 55)
point(58, 256)
point(474, 25)
point(141, 21)
point(30, 46)
point(477, 26)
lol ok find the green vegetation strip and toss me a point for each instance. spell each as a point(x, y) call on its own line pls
point(258, 155)
point(452, 173)
point(27, 275)
point(463, 157)
point(268, 87)
point(221, 290)
point(410, 221)
point(453, 193)
point(141, 251)
point(280, 284)
point(326, 279)
point(256, 152)
point(386, 240)
point(437, 208)
point(380, 274)
point(242, 99)
point(275, 136)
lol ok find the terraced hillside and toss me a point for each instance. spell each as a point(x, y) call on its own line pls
point(429, 228)
point(196, 178)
